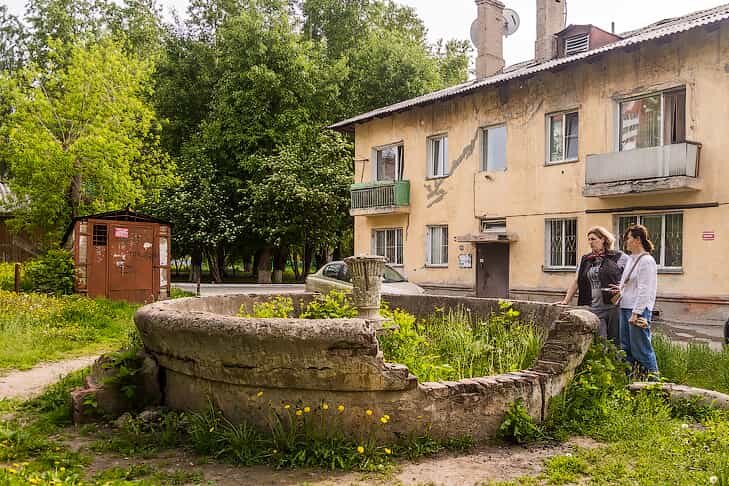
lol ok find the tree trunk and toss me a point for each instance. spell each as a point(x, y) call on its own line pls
point(247, 267)
point(220, 260)
point(214, 267)
point(279, 263)
point(196, 265)
point(308, 253)
point(256, 261)
point(264, 265)
point(74, 194)
point(295, 265)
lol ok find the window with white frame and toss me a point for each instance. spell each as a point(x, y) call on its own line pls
point(389, 163)
point(561, 243)
point(493, 148)
point(666, 233)
point(388, 243)
point(562, 137)
point(653, 120)
point(438, 156)
point(437, 245)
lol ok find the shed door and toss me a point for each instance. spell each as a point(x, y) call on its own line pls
point(492, 270)
point(131, 262)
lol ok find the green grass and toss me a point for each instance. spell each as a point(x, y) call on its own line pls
point(693, 364)
point(35, 328)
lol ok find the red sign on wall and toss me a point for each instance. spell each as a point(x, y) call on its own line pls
point(708, 235)
point(121, 232)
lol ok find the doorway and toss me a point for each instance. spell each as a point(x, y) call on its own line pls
point(492, 270)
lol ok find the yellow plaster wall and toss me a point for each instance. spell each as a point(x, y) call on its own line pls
point(529, 191)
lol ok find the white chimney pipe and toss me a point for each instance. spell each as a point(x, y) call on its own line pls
point(489, 38)
point(551, 18)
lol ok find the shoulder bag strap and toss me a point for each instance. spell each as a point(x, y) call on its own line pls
point(633, 267)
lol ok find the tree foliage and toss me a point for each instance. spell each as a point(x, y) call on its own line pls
point(76, 134)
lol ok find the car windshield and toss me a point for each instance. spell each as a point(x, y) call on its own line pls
point(391, 275)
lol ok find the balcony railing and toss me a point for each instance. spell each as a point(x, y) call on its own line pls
point(667, 168)
point(380, 197)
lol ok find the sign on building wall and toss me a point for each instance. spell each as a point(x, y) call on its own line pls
point(708, 236)
point(465, 260)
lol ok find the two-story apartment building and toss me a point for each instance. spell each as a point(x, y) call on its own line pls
point(491, 185)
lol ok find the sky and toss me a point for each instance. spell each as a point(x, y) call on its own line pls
point(447, 19)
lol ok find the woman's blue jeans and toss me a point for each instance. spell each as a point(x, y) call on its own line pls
point(636, 342)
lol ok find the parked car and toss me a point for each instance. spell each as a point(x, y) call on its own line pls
point(336, 276)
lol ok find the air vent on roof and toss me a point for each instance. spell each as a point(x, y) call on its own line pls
point(576, 43)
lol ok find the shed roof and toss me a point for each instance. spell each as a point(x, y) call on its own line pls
point(662, 28)
point(119, 215)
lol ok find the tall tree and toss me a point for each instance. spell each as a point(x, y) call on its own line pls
point(77, 133)
point(13, 39)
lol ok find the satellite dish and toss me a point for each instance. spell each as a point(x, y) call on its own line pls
point(511, 21)
point(474, 32)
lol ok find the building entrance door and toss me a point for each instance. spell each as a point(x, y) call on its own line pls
point(492, 270)
point(131, 258)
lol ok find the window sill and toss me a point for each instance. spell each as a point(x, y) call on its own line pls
point(436, 265)
point(670, 271)
point(430, 178)
point(561, 162)
point(492, 171)
point(559, 269)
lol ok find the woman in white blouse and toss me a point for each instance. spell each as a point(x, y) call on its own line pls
point(638, 296)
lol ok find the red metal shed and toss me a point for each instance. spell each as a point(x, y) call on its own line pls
point(121, 255)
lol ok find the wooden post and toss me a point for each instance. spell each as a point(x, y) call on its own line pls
point(197, 287)
point(17, 278)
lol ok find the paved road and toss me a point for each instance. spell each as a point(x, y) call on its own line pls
point(228, 289)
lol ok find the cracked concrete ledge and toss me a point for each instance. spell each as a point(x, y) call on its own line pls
point(246, 366)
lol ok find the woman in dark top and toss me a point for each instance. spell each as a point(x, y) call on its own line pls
point(598, 270)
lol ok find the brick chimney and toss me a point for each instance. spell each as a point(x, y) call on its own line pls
point(550, 20)
point(489, 38)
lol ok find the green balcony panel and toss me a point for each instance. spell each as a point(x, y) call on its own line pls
point(379, 197)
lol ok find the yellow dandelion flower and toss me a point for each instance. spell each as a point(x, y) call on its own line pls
point(11, 470)
point(62, 469)
point(307, 409)
point(287, 406)
point(340, 408)
point(325, 406)
point(369, 413)
point(388, 451)
point(383, 420)
point(387, 417)
point(360, 449)
point(259, 394)
point(275, 451)
point(298, 413)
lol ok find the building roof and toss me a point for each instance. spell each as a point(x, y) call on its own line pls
point(120, 215)
point(657, 30)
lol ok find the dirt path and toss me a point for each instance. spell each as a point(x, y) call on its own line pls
point(25, 384)
point(480, 466)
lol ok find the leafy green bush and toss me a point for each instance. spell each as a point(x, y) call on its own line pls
point(280, 307)
point(518, 426)
point(334, 305)
point(51, 273)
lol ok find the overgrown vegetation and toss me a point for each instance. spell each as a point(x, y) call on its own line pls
point(51, 273)
point(36, 327)
point(694, 364)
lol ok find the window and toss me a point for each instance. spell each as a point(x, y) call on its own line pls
point(665, 231)
point(390, 162)
point(332, 270)
point(437, 250)
point(388, 243)
point(562, 130)
point(576, 43)
point(99, 235)
point(497, 225)
point(652, 121)
point(438, 156)
point(493, 150)
point(561, 243)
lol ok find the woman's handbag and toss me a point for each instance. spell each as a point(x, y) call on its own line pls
point(615, 299)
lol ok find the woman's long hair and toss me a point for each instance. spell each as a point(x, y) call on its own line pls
point(640, 232)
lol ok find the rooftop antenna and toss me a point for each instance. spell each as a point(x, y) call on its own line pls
point(612, 27)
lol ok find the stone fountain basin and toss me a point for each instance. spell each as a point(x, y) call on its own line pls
point(247, 366)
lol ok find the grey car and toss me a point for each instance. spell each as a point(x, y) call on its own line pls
point(335, 276)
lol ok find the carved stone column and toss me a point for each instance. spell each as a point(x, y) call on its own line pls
point(367, 272)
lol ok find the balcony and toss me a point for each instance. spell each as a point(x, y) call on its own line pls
point(380, 197)
point(668, 168)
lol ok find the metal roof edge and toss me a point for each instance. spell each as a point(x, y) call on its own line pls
point(683, 24)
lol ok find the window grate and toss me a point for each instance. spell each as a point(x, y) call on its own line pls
point(561, 243)
point(576, 44)
point(99, 235)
